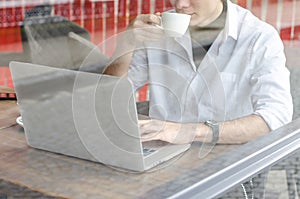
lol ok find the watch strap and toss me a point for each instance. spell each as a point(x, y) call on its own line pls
point(215, 130)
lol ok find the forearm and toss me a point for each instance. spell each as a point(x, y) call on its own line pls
point(235, 131)
point(120, 61)
point(118, 67)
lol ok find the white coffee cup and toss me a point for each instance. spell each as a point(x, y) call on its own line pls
point(175, 24)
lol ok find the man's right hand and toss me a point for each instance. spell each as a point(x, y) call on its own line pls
point(143, 28)
point(146, 27)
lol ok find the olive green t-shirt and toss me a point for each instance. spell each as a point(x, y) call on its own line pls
point(203, 37)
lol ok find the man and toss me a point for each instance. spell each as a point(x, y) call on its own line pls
point(224, 81)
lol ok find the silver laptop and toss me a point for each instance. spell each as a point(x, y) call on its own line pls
point(85, 115)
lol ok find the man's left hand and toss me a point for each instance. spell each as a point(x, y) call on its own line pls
point(176, 133)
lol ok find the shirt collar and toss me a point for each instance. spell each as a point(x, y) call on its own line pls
point(230, 29)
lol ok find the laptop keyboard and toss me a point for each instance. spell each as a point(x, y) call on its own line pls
point(147, 152)
point(153, 146)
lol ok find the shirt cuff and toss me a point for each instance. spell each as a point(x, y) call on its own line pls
point(272, 120)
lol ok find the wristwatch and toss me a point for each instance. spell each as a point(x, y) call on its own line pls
point(214, 125)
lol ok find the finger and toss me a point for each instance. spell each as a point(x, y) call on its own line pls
point(145, 35)
point(151, 128)
point(143, 121)
point(149, 134)
point(149, 18)
point(158, 13)
point(148, 131)
point(149, 137)
point(149, 29)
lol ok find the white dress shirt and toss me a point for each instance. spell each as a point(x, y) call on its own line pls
point(243, 73)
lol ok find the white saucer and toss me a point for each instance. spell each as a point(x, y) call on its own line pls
point(20, 121)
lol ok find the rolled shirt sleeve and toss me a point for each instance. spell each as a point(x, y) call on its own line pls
point(271, 96)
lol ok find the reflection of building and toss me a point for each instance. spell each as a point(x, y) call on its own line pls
point(20, 3)
point(111, 16)
point(104, 18)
